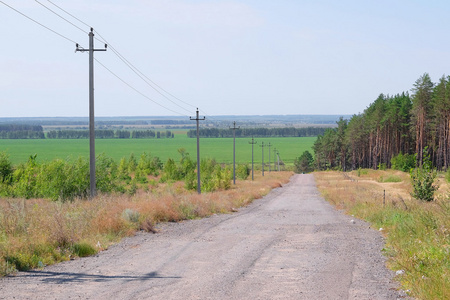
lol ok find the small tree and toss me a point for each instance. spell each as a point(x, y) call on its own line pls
point(422, 179)
point(304, 163)
point(6, 169)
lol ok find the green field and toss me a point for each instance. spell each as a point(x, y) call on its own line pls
point(219, 148)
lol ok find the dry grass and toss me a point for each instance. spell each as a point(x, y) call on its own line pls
point(417, 233)
point(38, 232)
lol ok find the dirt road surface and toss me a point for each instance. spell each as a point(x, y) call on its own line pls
point(289, 245)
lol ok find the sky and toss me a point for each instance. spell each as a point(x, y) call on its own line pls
point(225, 57)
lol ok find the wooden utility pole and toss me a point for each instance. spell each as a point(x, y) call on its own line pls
point(253, 142)
point(274, 154)
point(278, 160)
point(91, 111)
point(262, 147)
point(234, 151)
point(198, 152)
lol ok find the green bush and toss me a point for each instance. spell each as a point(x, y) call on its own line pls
point(422, 179)
point(170, 171)
point(132, 163)
point(60, 179)
point(107, 175)
point(382, 166)
point(35, 256)
point(184, 170)
point(214, 177)
point(24, 179)
point(403, 162)
point(123, 169)
point(242, 172)
point(190, 181)
point(6, 169)
point(149, 165)
point(83, 250)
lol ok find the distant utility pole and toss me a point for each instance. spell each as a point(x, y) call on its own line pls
point(262, 147)
point(252, 142)
point(274, 154)
point(278, 159)
point(198, 152)
point(234, 151)
point(91, 110)
point(269, 156)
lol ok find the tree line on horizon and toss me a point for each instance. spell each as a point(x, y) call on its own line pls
point(257, 132)
point(109, 134)
point(395, 128)
point(13, 131)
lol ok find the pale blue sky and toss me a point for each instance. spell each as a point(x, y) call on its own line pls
point(226, 57)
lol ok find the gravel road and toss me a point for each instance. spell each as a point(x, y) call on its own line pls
point(289, 245)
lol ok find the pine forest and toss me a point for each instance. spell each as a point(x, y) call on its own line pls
point(393, 132)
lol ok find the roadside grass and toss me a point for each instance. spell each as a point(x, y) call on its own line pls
point(417, 233)
point(37, 232)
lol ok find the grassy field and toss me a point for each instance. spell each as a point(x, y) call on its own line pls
point(220, 149)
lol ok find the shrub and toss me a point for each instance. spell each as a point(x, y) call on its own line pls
point(6, 169)
point(106, 173)
point(403, 162)
point(132, 163)
point(242, 172)
point(170, 171)
point(130, 215)
point(25, 180)
point(83, 250)
point(382, 166)
point(123, 169)
point(149, 165)
point(422, 179)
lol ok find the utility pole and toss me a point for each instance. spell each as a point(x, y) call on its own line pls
point(262, 147)
point(234, 151)
point(278, 159)
point(274, 154)
point(253, 142)
point(269, 157)
point(198, 152)
point(91, 110)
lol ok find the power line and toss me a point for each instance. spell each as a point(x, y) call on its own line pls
point(31, 19)
point(82, 30)
point(137, 70)
point(133, 68)
point(138, 73)
point(209, 116)
point(144, 77)
point(137, 91)
point(70, 14)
